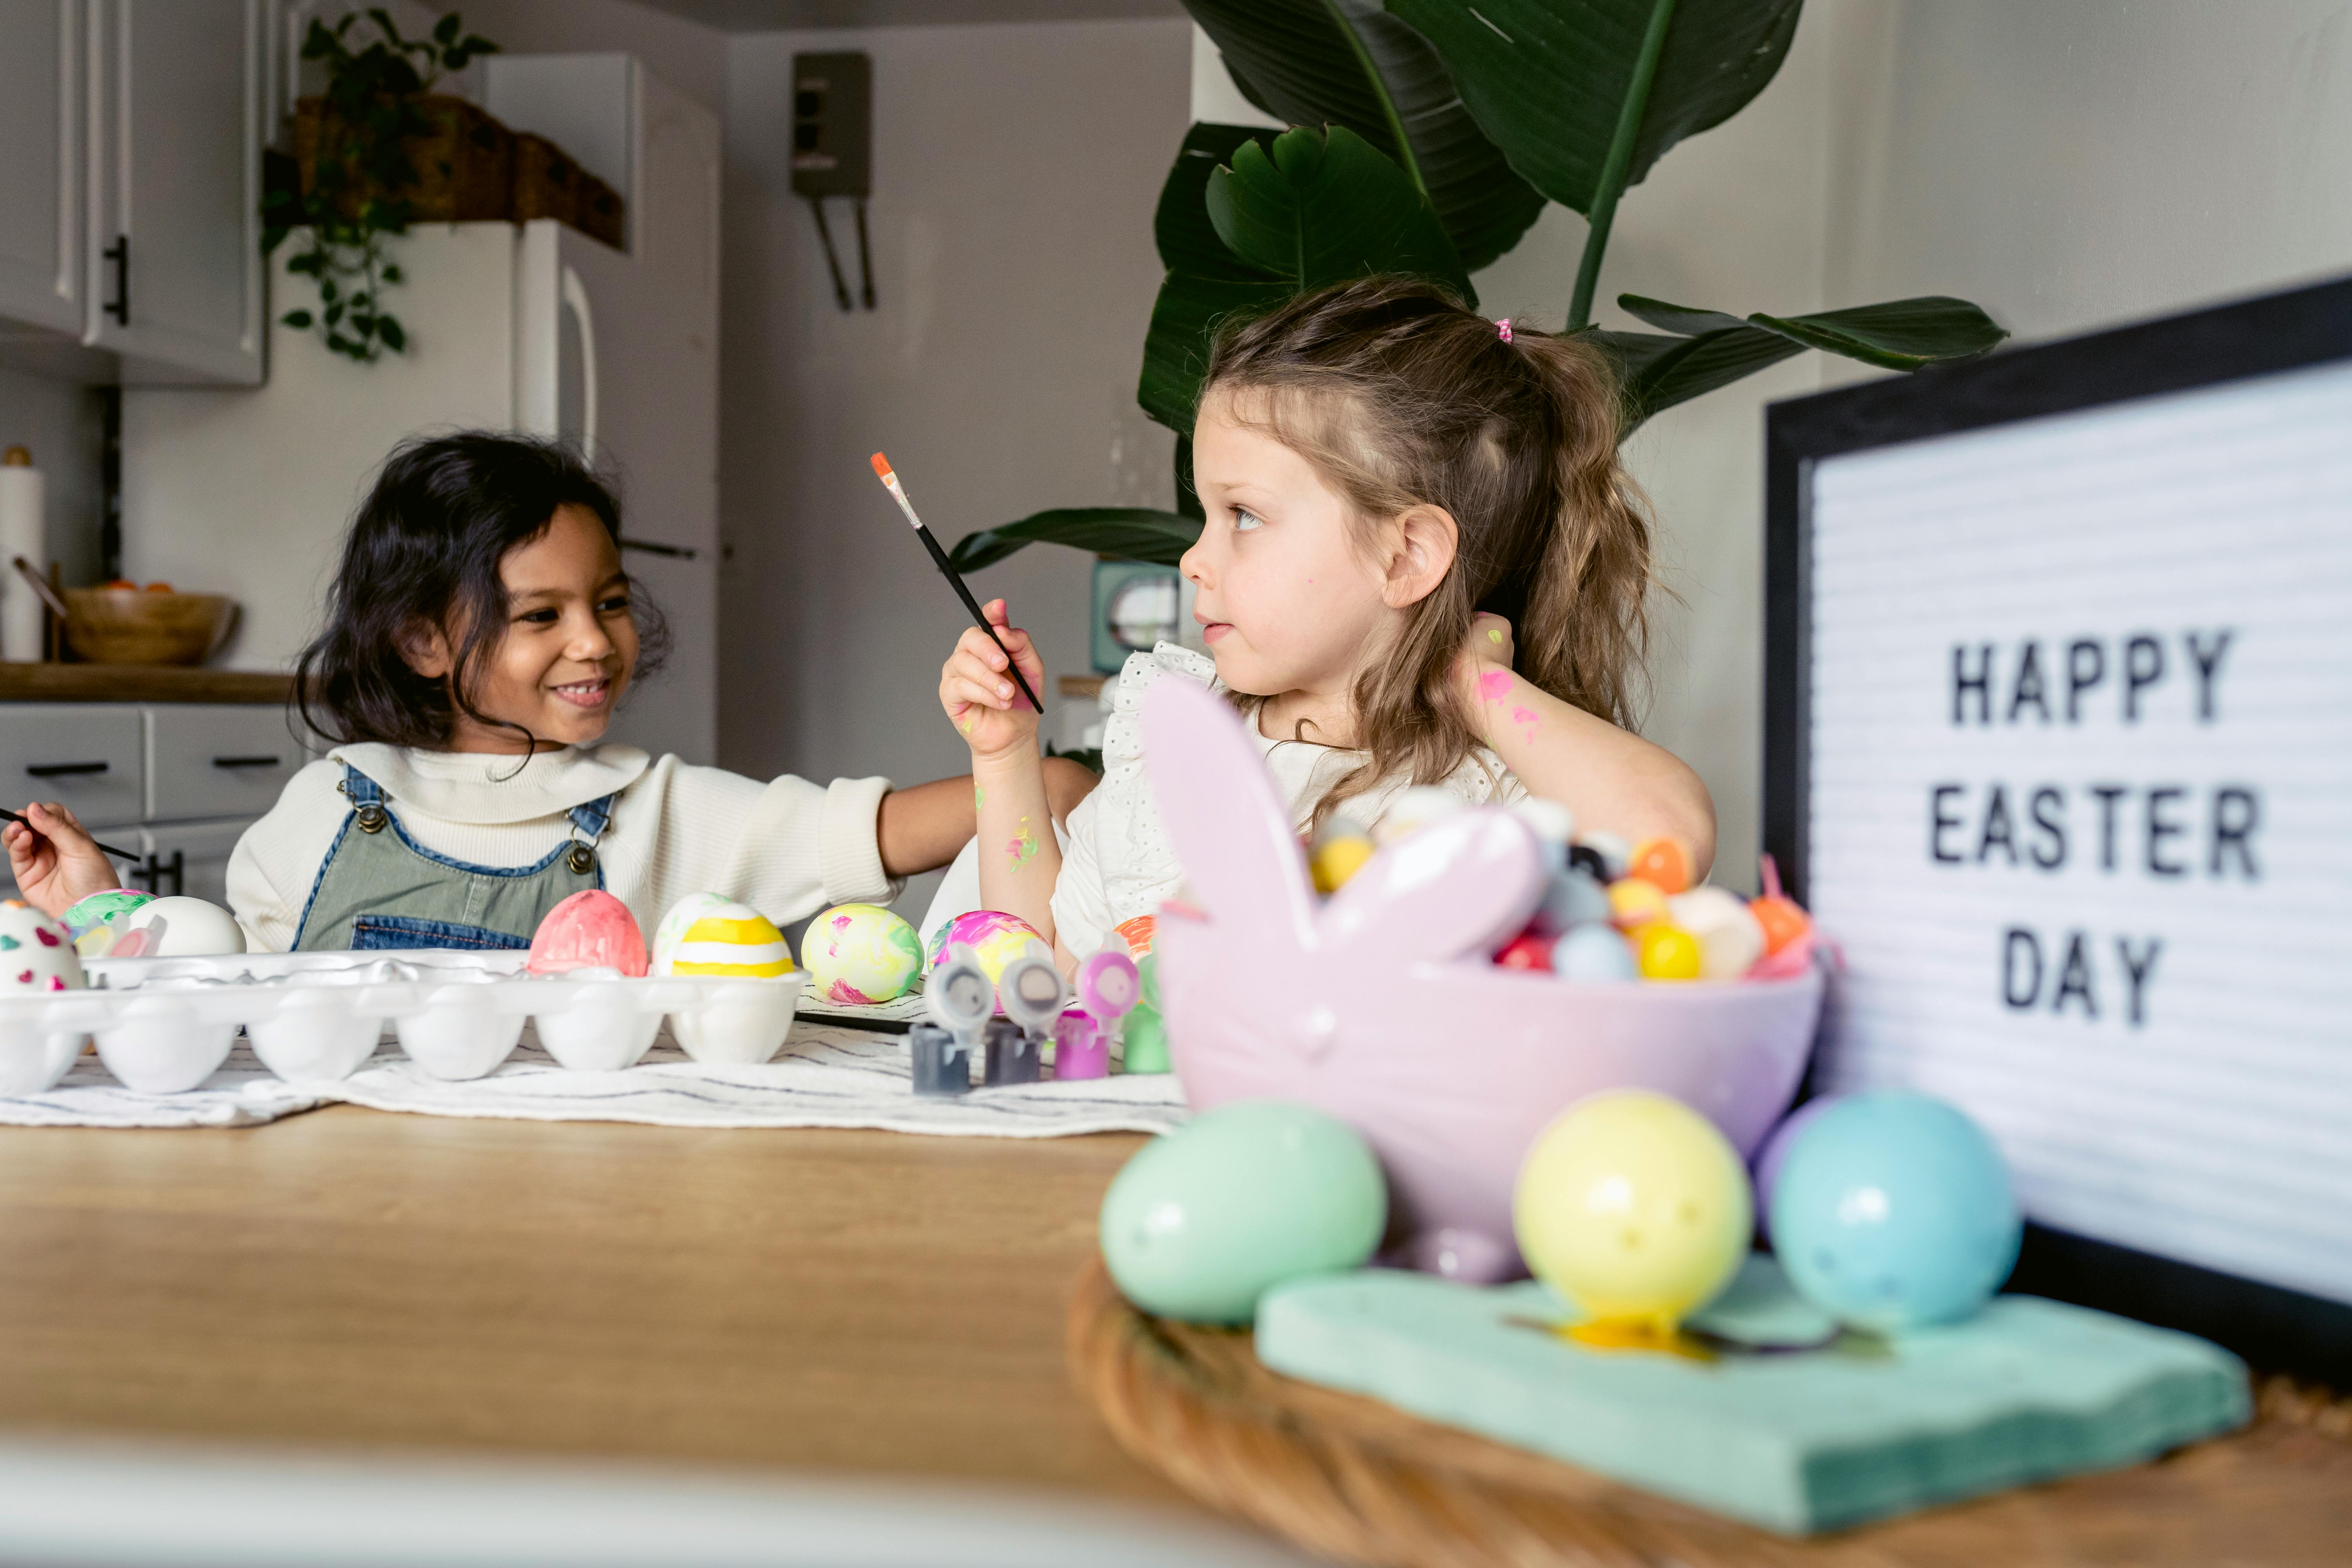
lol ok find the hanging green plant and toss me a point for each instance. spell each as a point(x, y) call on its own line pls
point(359, 175)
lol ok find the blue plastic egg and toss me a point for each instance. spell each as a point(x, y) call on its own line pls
point(1593, 952)
point(1894, 1211)
point(1204, 1221)
point(1572, 898)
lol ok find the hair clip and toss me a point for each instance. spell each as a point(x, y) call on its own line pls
point(1503, 329)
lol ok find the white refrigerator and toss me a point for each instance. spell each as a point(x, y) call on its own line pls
point(530, 327)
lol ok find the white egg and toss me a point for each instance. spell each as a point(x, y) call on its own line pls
point(182, 928)
point(1730, 941)
point(35, 952)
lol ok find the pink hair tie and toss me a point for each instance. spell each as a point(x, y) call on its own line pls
point(1503, 329)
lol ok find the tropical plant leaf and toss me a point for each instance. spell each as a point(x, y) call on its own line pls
point(1900, 335)
point(1324, 206)
point(1127, 532)
point(1308, 208)
point(1546, 81)
point(1656, 372)
point(1348, 62)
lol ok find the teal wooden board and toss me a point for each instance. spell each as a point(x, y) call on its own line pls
point(1797, 1442)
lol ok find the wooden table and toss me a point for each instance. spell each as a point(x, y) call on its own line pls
point(859, 1301)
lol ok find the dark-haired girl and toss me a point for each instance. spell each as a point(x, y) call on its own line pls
point(481, 632)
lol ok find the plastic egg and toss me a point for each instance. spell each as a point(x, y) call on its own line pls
point(1593, 952)
point(1632, 1205)
point(1729, 940)
point(1525, 951)
point(1204, 1221)
point(1780, 920)
point(1633, 901)
point(178, 928)
point(1146, 1035)
point(35, 952)
point(1553, 824)
point(1615, 853)
point(860, 954)
point(1663, 952)
point(705, 934)
point(994, 936)
point(1663, 862)
point(1336, 860)
point(1894, 1211)
point(590, 929)
point(1573, 898)
point(1415, 807)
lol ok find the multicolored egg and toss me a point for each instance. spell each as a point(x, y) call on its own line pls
point(35, 952)
point(590, 929)
point(705, 934)
point(178, 928)
point(861, 953)
point(996, 937)
point(95, 923)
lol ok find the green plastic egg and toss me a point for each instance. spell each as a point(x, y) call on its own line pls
point(1205, 1220)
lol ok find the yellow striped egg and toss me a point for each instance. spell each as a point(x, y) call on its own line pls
point(705, 934)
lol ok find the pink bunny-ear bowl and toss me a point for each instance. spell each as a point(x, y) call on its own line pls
point(1382, 1006)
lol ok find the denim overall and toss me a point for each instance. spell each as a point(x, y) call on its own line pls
point(380, 889)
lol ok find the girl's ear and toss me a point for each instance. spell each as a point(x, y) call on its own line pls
point(1421, 542)
point(425, 648)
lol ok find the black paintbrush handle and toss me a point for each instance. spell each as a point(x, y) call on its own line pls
point(103, 848)
point(980, 617)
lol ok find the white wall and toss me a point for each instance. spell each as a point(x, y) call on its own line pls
point(1016, 169)
point(59, 423)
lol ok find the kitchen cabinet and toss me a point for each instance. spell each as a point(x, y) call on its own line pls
point(42, 65)
point(130, 198)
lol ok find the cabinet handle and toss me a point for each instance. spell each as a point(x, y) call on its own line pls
point(119, 254)
point(246, 762)
point(63, 770)
point(678, 551)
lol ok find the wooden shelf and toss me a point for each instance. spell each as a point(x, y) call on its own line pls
point(140, 683)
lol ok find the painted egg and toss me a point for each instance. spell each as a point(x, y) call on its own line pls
point(1593, 952)
point(1137, 933)
point(1205, 1220)
point(100, 908)
point(1894, 1211)
point(1663, 952)
point(178, 928)
point(1335, 860)
point(590, 929)
point(705, 934)
point(1632, 1205)
point(995, 937)
point(860, 954)
point(35, 952)
point(1663, 862)
point(1730, 940)
point(1633, 901)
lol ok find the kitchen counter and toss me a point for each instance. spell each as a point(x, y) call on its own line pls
point(141, 683)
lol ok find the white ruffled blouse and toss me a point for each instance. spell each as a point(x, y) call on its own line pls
point(1119, 863)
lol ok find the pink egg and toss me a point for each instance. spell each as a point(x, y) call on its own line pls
point(588, 930)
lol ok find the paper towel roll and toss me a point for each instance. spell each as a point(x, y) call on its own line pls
point(23, 532)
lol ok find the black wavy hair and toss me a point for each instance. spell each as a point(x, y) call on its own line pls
point(423, 550)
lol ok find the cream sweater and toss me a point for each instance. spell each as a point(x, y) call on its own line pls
point(787, 848)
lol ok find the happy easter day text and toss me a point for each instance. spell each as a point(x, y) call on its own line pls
point(2170, 833)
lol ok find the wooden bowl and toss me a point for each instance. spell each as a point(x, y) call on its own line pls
point(131, 626)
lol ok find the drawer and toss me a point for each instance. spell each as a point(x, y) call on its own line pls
point(84, 755)
point(206, 760)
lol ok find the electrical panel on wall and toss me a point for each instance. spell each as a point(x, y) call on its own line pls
point(832, 150)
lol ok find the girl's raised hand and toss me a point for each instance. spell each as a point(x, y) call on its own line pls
point(57, 865)
point(979, 692)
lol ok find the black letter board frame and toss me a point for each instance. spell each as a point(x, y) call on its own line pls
point(2276, 1329)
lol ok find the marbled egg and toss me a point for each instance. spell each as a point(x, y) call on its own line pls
point(995, 936)
point(705, 934)
point(1206, 1219)
point(179, 927)
point(861, 953)
point(590, 929)
point(35, 952)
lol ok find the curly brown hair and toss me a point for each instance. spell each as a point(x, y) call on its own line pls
point(1401, 397)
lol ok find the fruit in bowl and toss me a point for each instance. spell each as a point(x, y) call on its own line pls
point(129, 625)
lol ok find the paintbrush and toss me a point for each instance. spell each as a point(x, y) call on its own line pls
point(940, 557)
point(6, 815)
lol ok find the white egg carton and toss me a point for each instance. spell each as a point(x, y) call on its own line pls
point(165, 1025)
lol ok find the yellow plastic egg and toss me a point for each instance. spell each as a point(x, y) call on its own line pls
point(1336, 860)
point(1666, 952)
point(1633, 901)
point(1632, 1207)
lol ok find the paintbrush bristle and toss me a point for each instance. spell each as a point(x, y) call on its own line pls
point(882, 469)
